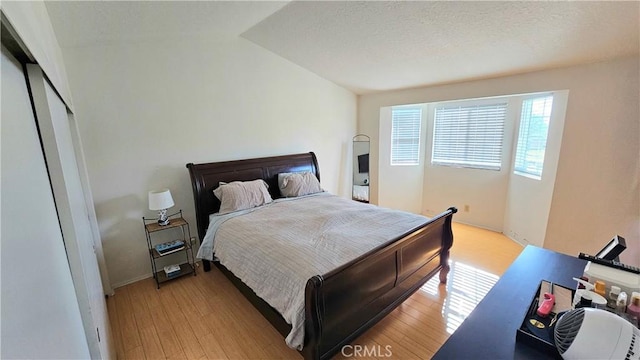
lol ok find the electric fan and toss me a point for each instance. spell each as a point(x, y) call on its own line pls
point(588, 333)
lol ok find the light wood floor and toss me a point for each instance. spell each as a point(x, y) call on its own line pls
point(206, 317)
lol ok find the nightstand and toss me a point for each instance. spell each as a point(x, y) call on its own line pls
point(178, 251)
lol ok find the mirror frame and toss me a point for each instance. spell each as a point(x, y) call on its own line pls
point(360, 180)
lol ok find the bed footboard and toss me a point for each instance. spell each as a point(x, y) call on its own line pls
point(342, 304)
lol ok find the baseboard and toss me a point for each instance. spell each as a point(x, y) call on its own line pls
point(131, 281)
point(142, 277)
point(479, 226)
point(523, 243)
point(519, 242)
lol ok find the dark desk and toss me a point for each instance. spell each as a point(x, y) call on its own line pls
point(490, 331)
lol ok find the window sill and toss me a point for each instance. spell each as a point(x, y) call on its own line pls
point(530, 176)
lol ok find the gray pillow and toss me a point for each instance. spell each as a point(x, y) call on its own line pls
point(241, 195)
point(298, 184)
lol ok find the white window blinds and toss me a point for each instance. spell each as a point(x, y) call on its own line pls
point(469, 136)
point(532, 137)
point(405, 135)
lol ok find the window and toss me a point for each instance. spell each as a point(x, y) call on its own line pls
point(469, 136)
point(532, 138)
point(405, 135)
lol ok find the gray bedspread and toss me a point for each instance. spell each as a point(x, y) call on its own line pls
point(276, 248)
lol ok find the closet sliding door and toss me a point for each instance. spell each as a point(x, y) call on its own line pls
point(54, 123)
point(40, 314)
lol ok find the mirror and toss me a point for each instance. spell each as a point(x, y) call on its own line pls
point(360, 190)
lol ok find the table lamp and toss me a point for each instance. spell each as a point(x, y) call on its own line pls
point(161, 200)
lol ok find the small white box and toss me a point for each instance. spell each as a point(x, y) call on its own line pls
point(172, 270)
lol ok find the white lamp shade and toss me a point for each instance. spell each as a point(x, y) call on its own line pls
point(160, 200)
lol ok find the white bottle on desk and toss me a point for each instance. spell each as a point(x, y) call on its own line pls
point(621, 303)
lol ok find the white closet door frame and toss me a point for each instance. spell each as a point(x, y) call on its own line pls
point(71, 202)
point(93, 220)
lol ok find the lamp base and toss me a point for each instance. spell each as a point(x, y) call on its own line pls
point(163, 220)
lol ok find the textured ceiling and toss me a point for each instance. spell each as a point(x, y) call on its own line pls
point(374, 46)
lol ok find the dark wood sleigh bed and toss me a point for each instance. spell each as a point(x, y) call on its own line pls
point(344, 303)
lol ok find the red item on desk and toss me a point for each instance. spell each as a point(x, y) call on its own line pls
point(547, 304)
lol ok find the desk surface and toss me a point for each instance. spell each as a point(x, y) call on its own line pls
point(490, 330)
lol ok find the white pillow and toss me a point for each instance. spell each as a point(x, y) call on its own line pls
point(241, 195)
point(298, 184)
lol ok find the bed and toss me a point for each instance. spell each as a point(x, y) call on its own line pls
point(342, 303)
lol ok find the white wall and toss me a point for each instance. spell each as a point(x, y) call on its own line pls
point(479, 194)
point(40, 314)
point(400, 186)
point(597, 191)
point(146, 109)
point(30, 20)
point(529, 200)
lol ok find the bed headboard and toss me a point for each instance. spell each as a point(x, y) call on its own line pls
point(206, 177)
